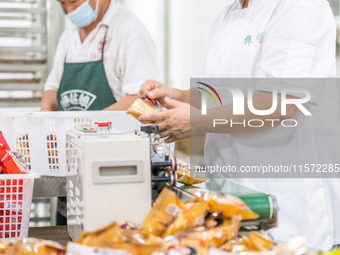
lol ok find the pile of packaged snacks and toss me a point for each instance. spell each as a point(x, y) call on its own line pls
point(143, 106)
point(187, 177)
point(171, 228)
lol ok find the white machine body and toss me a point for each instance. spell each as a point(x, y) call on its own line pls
point(109, 179)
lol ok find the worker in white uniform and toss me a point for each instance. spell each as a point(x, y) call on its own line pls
point(102, 59)
point(270, 39)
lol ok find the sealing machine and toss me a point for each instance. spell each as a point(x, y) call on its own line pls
point(115, 176)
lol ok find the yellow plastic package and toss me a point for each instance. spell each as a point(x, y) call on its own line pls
point(164, 211)
point(32, 246)
point(192, 216)
point(143, 106)
point(227, 205)
point(185, 176)
point(254, 243)
point(109, 237)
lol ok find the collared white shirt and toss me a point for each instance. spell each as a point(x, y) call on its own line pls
point(280, 39)
point(129, 58)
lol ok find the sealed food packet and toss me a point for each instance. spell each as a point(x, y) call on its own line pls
point(108, 237)
point(164, 211)
point(185, 176)
point(9, 163)
point(144, 106)
point(225, 204)
point(192, 216)
point(254, 243)
point(32, 246)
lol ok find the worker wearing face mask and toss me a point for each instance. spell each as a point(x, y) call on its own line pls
point(101, 60)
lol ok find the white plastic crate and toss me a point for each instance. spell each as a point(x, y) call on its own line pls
point(15, 204)
point(41, 136)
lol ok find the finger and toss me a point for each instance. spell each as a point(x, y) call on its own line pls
point(170, 139)
point(162, 126)
point(164, 133)
point(147, 87)
point(158, 92)
point(172, 103)
point(153, 117)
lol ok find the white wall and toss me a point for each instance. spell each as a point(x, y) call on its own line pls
point(152, 14)
point(187, 24)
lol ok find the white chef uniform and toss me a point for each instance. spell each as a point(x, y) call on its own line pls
point(281, 39)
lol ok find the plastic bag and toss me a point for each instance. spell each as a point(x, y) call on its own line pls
point(254, 243)
point(109, 237)
point(192, 216)
point(32, 246)
point(164, 211)
point(227, 205)
point(144, 106)
point(186, 176)
point(9, 162)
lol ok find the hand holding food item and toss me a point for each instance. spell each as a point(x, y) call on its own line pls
point(143, 106)
point(227, 205)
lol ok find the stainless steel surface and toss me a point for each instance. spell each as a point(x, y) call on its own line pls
point(48, 186)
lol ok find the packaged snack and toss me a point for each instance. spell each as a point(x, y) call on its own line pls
point(259, 242)
point(164, 211)
point(3, 246)
point(32, 246)
point(187, 177)
point(9, 163)
point(225, 204)
point(192, 216)
point(144, 106)
point(3, 142)
point(254, 243)
point(108, 237)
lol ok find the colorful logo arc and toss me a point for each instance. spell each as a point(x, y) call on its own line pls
point(209, 93)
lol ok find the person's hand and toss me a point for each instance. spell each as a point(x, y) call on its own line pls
point(46, 109)
point(156, 90)
point(174, 123)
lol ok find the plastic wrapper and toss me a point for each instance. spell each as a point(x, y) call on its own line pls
point(187, 177)
point(254, 243)
point(144, 106)
point(164, 211)
point(192, 216)
point(109, 237)
point(227, 205)
point(32, 246)
point(9, 163)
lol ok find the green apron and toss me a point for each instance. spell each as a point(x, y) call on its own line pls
point(84, 86)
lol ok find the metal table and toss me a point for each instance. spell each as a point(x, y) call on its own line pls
point(58, 234)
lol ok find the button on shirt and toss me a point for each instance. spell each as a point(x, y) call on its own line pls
point(130, 55)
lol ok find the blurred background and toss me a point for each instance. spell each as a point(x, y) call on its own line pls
point(29, 32)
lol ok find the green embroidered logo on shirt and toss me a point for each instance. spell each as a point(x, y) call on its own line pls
point(249, 39)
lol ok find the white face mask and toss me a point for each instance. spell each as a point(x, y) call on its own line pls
point(84, 15)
